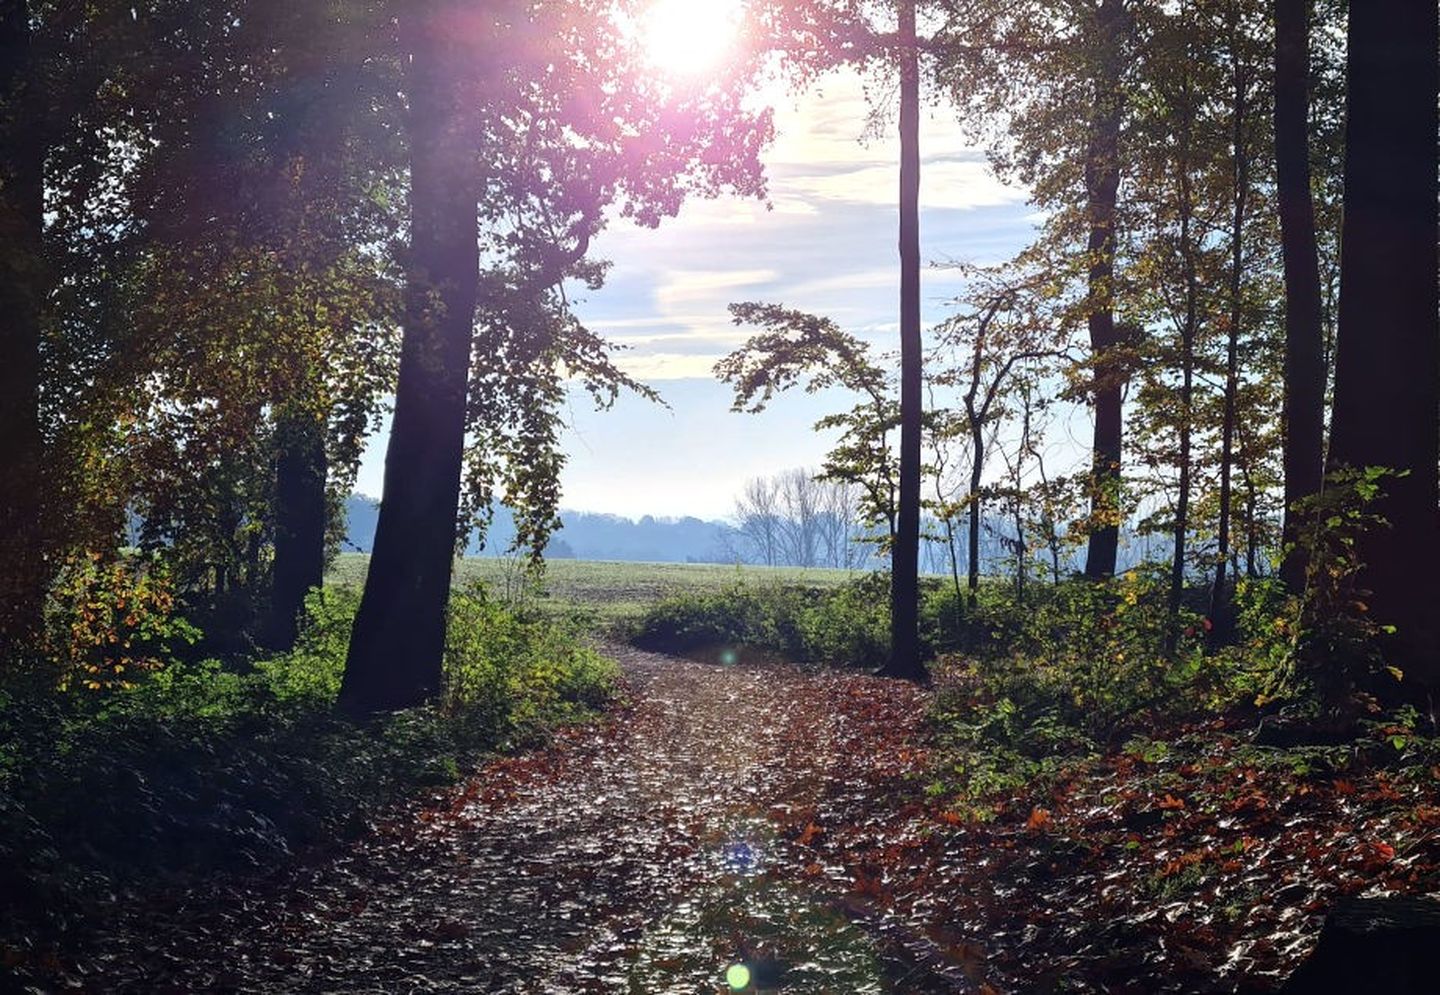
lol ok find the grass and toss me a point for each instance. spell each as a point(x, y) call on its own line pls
point(607, 590)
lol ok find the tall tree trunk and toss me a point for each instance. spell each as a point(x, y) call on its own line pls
point(1102, 183)
point(977, 468)
point(23, 546)
point(1387, 367)
point(1019, 478)
point(301, 519)
point(1252, 538)
point(1304, 408)
point(398, 642)
point(905, 659)
point(1188, 334)
point(1220, 614)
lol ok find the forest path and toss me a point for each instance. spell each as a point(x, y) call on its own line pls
point(644, 853)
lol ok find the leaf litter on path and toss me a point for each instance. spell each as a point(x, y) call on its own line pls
point(647, 852)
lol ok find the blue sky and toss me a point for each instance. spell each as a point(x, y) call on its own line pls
point(826, 244)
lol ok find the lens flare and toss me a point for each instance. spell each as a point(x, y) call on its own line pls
point(689, 37)
point(737, 976)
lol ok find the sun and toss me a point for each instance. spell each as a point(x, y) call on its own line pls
point(689, 37)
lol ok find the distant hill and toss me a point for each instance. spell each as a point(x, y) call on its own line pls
point(592, 536)
point(586, 536)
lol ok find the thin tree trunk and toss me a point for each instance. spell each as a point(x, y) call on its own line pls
point(398, 642)
point(1387, 371)
point(1102, 182)
point(905, 659)
point(977, 467)
point(1252, 539)
point(1304, 406)
point(1020, 545)
point(301, 519)
point(23, 569)
point(1220, 614)
point(1188, 335)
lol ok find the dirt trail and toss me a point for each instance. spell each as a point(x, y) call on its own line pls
point(644, 853)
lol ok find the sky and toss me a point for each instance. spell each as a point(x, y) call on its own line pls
point(826, 243)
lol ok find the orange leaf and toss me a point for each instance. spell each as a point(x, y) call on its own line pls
point(1039, 819)
point(808, 836)
point(1171, 803)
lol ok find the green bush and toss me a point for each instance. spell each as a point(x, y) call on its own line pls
point(848, 625)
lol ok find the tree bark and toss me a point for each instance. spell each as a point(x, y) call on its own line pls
point(23, 545)
point(1220, 613)
point(1102, 182)
point(905, 659)
point(398, 642)
point(1304, 405)
point(977, 467)
point(301, 520)
point(1188, 333)
point(1387, 369)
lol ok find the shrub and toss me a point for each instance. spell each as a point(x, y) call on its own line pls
point(848, 625)
point(111, 621)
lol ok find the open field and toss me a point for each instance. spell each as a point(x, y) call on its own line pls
point(613, 590)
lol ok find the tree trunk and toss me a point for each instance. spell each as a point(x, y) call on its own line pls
point(301, 520)
point(1387, 367)
point(398, 642)
point(1102, 183)
point(1188, 333)
point(905, 659)
point(977, 441)
point(1220, 613)
point(23, 546)
point(1304, 407)
point(1019, 478)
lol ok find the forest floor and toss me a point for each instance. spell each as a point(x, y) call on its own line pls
point(762, 815)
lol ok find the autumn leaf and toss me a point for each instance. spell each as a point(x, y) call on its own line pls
point(1039, 819)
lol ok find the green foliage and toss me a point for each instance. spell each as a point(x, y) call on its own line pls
point(1338, 642)
point(1079, 668)
point(848, 625)
point(110, 622)
point(197, 768)
point(514, 671)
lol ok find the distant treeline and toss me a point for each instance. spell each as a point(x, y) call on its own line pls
point(596, 536)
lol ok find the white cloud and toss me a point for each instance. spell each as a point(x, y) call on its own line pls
point(682, 289)
point(947, 184)
point(654, 367)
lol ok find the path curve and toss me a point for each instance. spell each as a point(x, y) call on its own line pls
point(642, 853)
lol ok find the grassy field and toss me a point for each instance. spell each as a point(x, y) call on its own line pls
point(612, 590)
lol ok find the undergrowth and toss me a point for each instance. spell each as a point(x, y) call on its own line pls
point(847, 625)
point(189, 768)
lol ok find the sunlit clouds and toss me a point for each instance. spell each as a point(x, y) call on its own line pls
point(824, 242)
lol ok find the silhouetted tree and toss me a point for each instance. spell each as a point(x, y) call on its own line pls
point(904, 661)
point(398, 641)
point(23, 289)
point(1102, 183)
point(1304, 414)
point(1387, 372)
